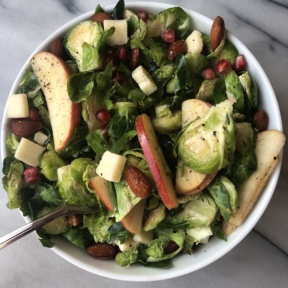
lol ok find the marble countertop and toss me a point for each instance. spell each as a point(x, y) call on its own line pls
point(260, 260)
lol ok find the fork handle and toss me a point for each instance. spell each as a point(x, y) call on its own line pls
point(30, 227)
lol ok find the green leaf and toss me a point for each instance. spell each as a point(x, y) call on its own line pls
point(98, 142)
point(122, 143)
point(80, 86)
point(118, 11)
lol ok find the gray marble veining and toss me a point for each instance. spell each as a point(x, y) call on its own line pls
point(260, 260)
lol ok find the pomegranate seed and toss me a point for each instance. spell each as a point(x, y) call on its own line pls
point(30, 171)
point(108, 58)
point(223, 66)
point(134, 58)
point(31, 175)
point(240, 63)
point(168, 36)
point(171, 247)
point(208, 74)
point(34, 114)
point(103, 116)
point(123, 54)
point(142, 15)
point(104, 131)
point(118, 76)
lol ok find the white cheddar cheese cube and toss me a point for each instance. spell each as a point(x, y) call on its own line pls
point(111, 166)
point(194, 43)
point(120, 36)
point(29, 152)
point(61, 170)
point(144, 80)
point(127, 245)
point(40, 138)
point(17, 106)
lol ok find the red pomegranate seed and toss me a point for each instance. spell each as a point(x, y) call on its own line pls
point(223, 66)
point(240, 63)
point(34, 114)
point(168, 36)
point(31, 171)
point(208, 74)
point(104, 131)
point(31, 175)
point(118, 76)
point(142, 15)
point(123, 54)
point(103, 116)
point(108, 58)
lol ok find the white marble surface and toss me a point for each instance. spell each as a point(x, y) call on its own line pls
point(260, 260)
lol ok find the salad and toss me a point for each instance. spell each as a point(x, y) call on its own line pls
point(145, 118)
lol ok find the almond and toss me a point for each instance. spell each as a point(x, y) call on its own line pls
point(25, 128)
point(57, 48)
point(217, 32)
point(100, 17)
point(102, 251)
point(138, 182)
point(175, 48)
point(261, 120)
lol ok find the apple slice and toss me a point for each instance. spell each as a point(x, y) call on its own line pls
point(192, 109)
point(156, 161)
point(188, 181)
point(132, 221)
point(53, 74)
point(100, 186)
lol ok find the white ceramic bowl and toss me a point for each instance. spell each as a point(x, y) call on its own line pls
point(216, 248)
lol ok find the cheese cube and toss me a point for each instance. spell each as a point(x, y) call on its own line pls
point(194, 43)
point(28, 152)
point(111, 166)
point(40, 138)
point(17, 106)
point(127, 245)
point(144, 80)
point(120, 36)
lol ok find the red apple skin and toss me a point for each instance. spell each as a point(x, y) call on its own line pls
point(53, 74)
point(132, 221)
point(100, 186)
point(156, 161)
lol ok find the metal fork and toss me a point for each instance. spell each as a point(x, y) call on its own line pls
point(62, 210)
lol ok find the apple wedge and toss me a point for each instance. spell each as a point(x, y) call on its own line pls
point(100, 186)
point(188, 181)
point(156, 161)
point(132, 221)
point(269, 145)
point(53, 74)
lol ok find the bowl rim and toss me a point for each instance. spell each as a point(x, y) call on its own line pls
point(234, 239)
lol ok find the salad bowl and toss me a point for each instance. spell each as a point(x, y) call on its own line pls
point(215, 248)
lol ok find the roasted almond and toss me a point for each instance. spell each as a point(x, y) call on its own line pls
point(175, 48)
point(25, 128)
point(261, 120)
point(138, 182)
point(57, 48)
point(217, 32)
point(102, 251)
point(100, 17)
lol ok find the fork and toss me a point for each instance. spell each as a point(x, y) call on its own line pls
point(62, 210)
